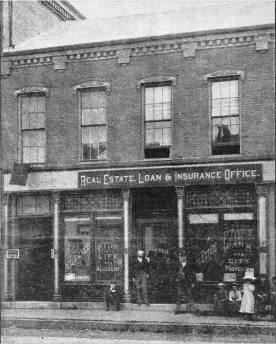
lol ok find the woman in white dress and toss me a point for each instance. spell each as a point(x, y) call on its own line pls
point(248, 299)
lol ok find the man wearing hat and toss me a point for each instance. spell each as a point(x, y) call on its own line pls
point(220, 299)
point(185, 280)
point(262, 294)
point(234, 301)
point(248, 299)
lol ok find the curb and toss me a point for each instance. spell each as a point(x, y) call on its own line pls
point(103, 325)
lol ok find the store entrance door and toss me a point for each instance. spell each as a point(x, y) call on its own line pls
point(35, 265)
point(159, 238)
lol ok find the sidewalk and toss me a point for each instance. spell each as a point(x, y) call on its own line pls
point(143, 319)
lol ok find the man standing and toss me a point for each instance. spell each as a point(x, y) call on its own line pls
point(185, 282)
point(140, 273)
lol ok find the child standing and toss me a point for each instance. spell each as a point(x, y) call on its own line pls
point(248, 299)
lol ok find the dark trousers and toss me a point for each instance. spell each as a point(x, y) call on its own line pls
point(112, 299)
point(184, 293)
point(141, 284)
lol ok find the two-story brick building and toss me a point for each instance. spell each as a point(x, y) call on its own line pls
point(133, 138)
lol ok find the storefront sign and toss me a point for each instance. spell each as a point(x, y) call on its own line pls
point(170, 176)
point(13, 253)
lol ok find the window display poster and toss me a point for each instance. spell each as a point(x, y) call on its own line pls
point(109, 256)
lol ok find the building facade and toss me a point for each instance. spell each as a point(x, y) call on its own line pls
point(23, 20)
point(159, 143)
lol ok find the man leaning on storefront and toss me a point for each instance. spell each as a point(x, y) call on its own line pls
point(186, 279)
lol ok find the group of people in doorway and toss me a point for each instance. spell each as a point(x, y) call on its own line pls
point(251, 300)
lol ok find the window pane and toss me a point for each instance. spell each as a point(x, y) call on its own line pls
point(217, 121)
point(102, 150)
point(166, 110)
point(167, 136)
point(235, 120)
point(158, 95)
point(215, 90)
point(41, 138)
point(224, 89)
point(26, 155)
point(149, 136)
point(42, 204)
point(215, 112)
point(235, 129)
point(41, 104)
point(28, 204)
point(216, 136)
point(234, 84)
point(25, 121)
point(86, 135)
point(234, 106)
point(41, 120)
point(86, 116)
point(34, 154)
point(157, 111)
point(85, 151)
point(33, 104)
point(85, 100)
point(26, 139)
point(216, 103)
point(149, 95)
point(158, 136)
point(102, 134)
point(98, 99)
point(25, 106)
point(225, 121)
point(33, 120)
point(225, 103)
point(94, 151)
point(149, 112)
point(41, 155)
point(167, 94)
point(225, 111)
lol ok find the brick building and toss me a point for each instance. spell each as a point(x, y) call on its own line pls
point(23, 20)
point(155, 140)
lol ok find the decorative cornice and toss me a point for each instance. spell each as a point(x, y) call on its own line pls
point(126, 194)
point(157, 78)
point(33, 89)
point(262, 189)
point(179, 192)
point(92, 84)
point(187, 46)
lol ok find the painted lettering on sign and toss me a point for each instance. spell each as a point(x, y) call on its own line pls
point(170, 176)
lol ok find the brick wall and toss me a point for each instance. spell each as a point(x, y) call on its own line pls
point(29, 19)
point(191, 133)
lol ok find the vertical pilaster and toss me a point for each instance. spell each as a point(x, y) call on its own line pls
point(126, 199)
point(56, 201)
point(14, 262)
point(271, 232)
point(6, 293)
point(262, 194)
point(180, 197)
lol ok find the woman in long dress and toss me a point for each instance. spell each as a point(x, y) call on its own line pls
point(248, 300)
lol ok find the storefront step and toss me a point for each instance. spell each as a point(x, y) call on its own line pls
point(98, 306)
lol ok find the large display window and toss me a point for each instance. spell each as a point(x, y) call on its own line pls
point(94, 249)
point(221, 233)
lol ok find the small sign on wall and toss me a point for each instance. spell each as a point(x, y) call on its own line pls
point(12, 253)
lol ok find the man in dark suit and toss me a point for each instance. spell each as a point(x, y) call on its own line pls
point(186, 279)
point(140, 270)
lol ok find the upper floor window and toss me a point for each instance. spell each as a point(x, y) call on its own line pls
point(93, 124)
point(33, 133)
point(225, 114)
point(158, 113)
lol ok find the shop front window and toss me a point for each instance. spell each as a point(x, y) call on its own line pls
point(93, 249)
point(222, 240)
point(77, 250)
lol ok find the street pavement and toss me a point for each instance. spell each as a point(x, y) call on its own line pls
point(15, 335)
